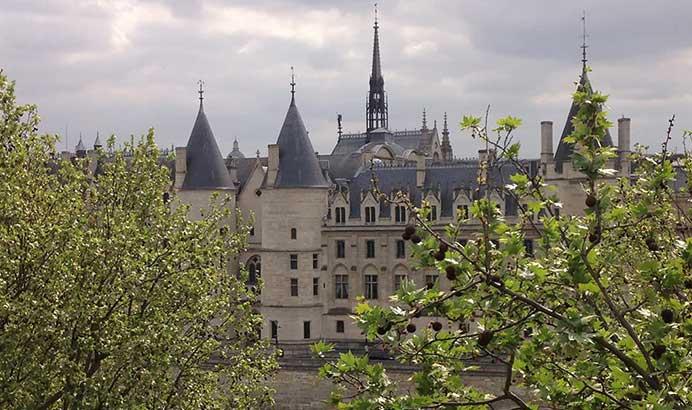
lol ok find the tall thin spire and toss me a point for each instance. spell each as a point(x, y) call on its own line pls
point(425, 120)
point(446, 146)
point(293, 86)
point(376, 107)
point(584, 46)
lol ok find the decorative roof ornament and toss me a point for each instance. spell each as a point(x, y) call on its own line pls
point(201, 91)
point(293, 86)
point(236, 153)
point(377, 106)
point(97, 142)
point(425, 120)
point(584, 46)
point(80, 144)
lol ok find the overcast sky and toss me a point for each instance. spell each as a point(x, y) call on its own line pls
point(124, 66)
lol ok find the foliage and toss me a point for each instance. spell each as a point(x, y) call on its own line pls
point(110, 296)
point(598, 317)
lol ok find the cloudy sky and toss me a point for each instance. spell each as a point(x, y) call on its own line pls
point(122, 66)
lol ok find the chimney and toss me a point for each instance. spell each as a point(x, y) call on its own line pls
point(624, 136)
point(546, 141)
point(180, 166)
point(272, 163)
point(420, 170)
point(624, 144)
point(486, 155)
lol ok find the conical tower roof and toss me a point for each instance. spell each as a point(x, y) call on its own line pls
point(298, 164)
point(205, 165)
point(564, 149)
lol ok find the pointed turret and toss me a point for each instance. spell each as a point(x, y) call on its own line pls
point(376, 110)
point(80, 150)
point(97, 142)
point(298, 165)
point(446, 146)
point(564, 149)
point(205, 165)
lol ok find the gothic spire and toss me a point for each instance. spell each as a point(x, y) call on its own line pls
point(425, 120)
point(446, 146)
point(376, 110)
point(293, 86)
point(584, 46)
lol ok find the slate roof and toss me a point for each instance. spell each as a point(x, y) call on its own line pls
point(206, 168)
point(419, 140)
point(445, 180)
point(298, 164)
point(565, 150)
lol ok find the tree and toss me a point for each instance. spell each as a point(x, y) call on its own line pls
point(598, 318)
point(110, 296)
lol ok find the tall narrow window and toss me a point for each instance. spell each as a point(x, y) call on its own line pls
point(340, 249)
point(294, 286)
point(340, 215)
point(339, 326)
point(252, 231)
point(430, 281)
point(306, 330)
point(398, 280)
point(294, 261)
point(370, 248)
point(315, 261)
point(315, 286)
point(294, 233)
point(370, 286)
point(432, 216)
point(341, 286)
point(463, 211)
point(528, 246)
point(369, 214)
point(275, 329)
point(400, 249)
point(400, 214)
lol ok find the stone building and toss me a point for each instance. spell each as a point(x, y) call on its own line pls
point(320, 238)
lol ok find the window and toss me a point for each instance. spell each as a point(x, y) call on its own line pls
point(369, 214)
point(275, 329)
point(430, 281)
point(294, 287)
point(400, 249)
point(370, 248)
point(370, 286)
point(463, 211)
point(294, 261)
point(339, 326)
point(398, 280)
point(315, 261)
point(340, 249)
point(464, 327)
point(252, 231)
point(432, 216)
point(400, 214)
point(528, 246)
point(340, 215)
point(294, 233)
point(254, 271)
point(511, 205)
point(341, 286)
point(315, 286)
point(306, 330)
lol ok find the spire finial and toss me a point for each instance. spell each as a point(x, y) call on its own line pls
point(425, 120)
point(584, 46)
point(293, 84)
point(444, 126)
point(258, 154)
point(375, 15)
point(201, 90)
point(339, 129)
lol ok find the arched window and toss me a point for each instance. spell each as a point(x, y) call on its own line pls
point(294, 233)
point(254, 270)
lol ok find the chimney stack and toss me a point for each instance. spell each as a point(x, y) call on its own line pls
point(272, 163)
point(180, 166)
point(546, 141)
point(420, 170)
point(624, 144)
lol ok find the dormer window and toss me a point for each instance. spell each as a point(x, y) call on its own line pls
point(432, 215)
point(340, 215)
point(400, 214)
point(462, 212)
point(369, 214)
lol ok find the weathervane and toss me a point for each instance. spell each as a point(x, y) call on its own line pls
point(201, 90)
point(584, 46)
point(293, 82)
